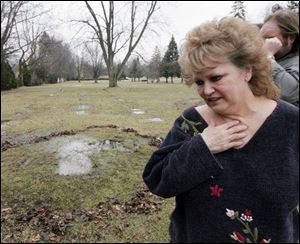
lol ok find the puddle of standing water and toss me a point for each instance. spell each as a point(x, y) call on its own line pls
point(80, 112)
point(74, 152)
point(74, 158)
point(82, 108)
point(155, 120)
point(137, 111)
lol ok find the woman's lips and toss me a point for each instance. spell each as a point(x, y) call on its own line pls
point(213, 99)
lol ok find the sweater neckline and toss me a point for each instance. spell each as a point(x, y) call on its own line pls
point(257, 133)
point(260, 130)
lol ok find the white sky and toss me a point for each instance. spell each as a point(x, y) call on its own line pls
point(180, 17)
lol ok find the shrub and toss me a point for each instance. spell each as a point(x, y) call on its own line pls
point(8, 79)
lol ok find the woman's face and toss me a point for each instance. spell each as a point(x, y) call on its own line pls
point(223, 87)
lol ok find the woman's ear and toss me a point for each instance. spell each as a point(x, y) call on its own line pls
point(291, 39)
point(248, 73)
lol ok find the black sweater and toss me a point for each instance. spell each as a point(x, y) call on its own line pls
point(237, 194)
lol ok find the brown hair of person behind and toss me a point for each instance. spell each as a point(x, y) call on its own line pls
point(288, 22)
point(229, 39)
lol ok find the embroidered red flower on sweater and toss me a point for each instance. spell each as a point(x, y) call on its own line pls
point(250, 236)
point(215, 191)
point(247, 215)
point(238, 237)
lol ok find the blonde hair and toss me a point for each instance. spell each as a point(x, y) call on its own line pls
point(229, 39)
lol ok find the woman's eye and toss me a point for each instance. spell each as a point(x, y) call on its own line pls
point(199, 82)
point(216, 78)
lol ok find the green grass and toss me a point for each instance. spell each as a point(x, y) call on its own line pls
point(29, 177)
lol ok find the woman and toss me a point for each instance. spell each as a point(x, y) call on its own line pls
point(232, 164)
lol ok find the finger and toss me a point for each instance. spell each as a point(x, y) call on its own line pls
point(237, 128)
point(235, 144)
point(230, 124)
point(237, 136)
point(276, 39)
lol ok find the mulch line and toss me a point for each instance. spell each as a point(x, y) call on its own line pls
point(10, 143)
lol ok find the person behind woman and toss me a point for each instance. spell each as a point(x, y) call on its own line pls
point(281, 33)
point(232, 163)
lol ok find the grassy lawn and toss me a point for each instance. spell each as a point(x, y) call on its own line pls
point(45, 125)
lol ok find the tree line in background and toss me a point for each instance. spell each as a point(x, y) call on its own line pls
point(166, 66)
point(30, 55)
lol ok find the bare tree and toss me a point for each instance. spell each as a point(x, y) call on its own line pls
point(95, 58)
point(79, 62)
point(28, 34)
point(10, 17)
point(105, 28)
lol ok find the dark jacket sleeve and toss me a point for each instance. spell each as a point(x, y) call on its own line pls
point(180, 164)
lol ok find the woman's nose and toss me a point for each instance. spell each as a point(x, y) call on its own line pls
point(208, 89)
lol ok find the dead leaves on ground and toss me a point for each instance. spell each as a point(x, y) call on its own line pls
point(52, 224)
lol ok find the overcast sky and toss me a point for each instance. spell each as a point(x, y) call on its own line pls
point(179, 17)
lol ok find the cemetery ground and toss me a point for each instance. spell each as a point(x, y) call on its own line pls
point(72, 157)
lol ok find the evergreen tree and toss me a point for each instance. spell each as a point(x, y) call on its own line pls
point(122, 73)
point(239, 10)
point(45, 64)
point(54, 60)
point(294, 6)
point(155, 64)
point(165, 67)
point(136, 71)
point(8, 79)
point(170, 67)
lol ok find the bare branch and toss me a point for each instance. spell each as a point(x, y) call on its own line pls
point(98, 31)
point(110, 36)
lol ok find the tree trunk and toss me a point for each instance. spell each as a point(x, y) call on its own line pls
point(112, 79)
point(113, 82)
point(108, 37)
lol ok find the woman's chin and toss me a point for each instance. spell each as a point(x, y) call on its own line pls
point(217, 106)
